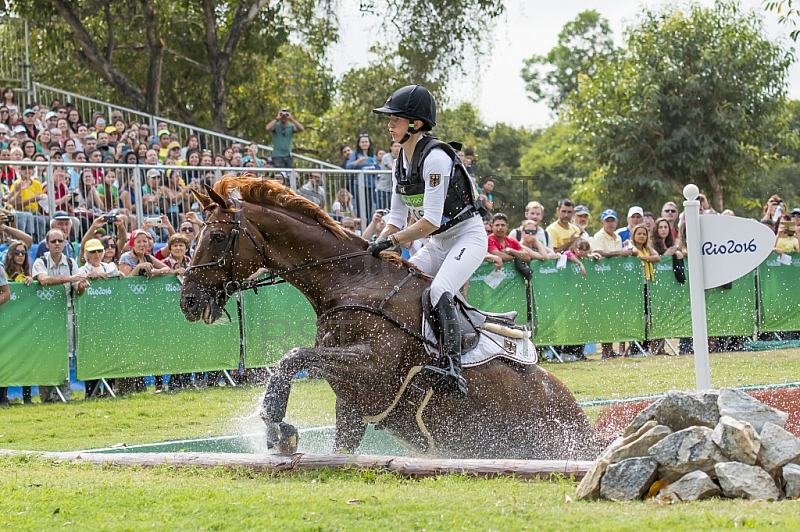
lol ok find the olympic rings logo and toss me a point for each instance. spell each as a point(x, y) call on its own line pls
point(138, 289)
point(45, 295)
point(576, 268)
point(628, 266)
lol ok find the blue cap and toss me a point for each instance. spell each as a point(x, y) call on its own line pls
point(609, 213)
point(61, 215)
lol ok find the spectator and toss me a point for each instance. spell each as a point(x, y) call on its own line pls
point(97, 231)
point(174, 194)
point(640, 239)
point(312, 190)
point(163, 145)
point(143, 134)
point(345, 151)
point(173, 152)
point(63, 222)
point(25, 194)
point(535, 248)
point(786, 239)
point(141, 153)
point(61, 193)
point(606, 242)
point(9, 99)
point(139, 261)
point(363, 158)
point(349, 224)
point(649, 221)
point(376, 225)
point(5, 297)
point(635, 217)
point(343, 206)
point(383, 185)
point(73, 120)
point(90, 205)
point(774, 209)
point(6, 231)
point(111, 249)
point(55, 268)
point(469, 161)
point(17, 270)
point(283, 129)
point(178, 260)
point(581, 249)
point(43, 141)
point(29, 123)
point(795, 218)
point(95, 267)
point(503, 246)
point(192, 144)
point(562, 232)
point(152, 193)
point(485, 194)
point(581, 220)
point(7, 173)
point(662, 240)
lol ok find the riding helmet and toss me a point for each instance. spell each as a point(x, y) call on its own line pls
point(413, 102)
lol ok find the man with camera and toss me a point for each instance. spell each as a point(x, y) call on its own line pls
point(283, 128)
point(9, 217)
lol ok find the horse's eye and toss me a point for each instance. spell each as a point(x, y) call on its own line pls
point(217, 237)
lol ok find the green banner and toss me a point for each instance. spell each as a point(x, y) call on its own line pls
point(34, 336)
point(780, 298)
point(605, 306)
point(277, 319)
point(507, 296)
point(134, 326)
point(729, 312)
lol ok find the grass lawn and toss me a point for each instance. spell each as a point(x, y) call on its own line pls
point(36, 494)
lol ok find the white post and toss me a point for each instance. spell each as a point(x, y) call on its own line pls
point(697, 291)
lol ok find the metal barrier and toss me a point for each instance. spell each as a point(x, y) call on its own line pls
point(88, 191)
point(211, 140)
point(14, 59)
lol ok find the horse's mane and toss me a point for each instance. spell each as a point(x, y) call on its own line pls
point(258, 190)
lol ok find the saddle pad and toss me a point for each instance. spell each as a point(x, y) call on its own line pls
point(489, 347)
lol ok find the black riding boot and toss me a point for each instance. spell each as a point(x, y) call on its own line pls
point(448, 379)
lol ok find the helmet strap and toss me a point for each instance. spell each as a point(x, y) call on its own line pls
point(411, 131)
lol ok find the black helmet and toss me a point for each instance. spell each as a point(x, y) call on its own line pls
point(413, 102)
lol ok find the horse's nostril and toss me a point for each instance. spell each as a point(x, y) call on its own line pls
point(189, 301)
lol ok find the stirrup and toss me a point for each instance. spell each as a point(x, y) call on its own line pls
point(446, 381)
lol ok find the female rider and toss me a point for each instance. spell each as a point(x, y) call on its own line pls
point(431, 184)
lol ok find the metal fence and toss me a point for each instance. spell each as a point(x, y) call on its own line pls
point(14, 58)
point(135, 193)
point(210, 140)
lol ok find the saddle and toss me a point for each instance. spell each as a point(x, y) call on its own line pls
point(472, 320)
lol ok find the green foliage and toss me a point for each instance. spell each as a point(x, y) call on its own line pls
point(787, 14)
point(698, 96)
point(583, 44)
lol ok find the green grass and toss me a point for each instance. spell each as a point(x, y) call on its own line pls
point(36, 494)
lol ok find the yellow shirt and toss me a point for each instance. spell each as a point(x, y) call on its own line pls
point(602, 241)
point(559, 236)
point(34, 189)
point(788, 244)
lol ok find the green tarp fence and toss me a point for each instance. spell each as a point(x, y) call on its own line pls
point(605, 306)
point(729, 312)
point(779, 295)
point(134, 326)
point(34, 341)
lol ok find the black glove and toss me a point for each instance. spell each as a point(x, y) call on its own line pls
point(376, 247)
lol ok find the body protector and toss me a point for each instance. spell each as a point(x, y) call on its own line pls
point(461, 201)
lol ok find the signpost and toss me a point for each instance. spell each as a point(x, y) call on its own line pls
point(721, 249)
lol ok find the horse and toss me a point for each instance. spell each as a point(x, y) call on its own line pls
point(368, 343)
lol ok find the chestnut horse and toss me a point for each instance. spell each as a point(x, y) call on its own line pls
point(368, 340)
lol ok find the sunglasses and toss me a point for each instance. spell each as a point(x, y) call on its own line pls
point(96, 251)
point(529, 231)
point(20, 252)
point(56, 242)
point(670, 210)
point(187, 229)
point(111, 245)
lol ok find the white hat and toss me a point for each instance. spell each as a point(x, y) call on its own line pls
point(19, 129)
point(49, 115)
point(635, 210)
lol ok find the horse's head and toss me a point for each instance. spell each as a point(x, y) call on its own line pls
point(229, 249)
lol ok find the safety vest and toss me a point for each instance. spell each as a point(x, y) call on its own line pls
point(461, 202)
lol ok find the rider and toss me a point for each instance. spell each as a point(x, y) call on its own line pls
point(431, 183)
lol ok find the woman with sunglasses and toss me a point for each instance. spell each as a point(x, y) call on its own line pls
point(17, 270)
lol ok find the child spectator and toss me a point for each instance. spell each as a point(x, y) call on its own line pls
point(641, 241)
point(343, 206)
point(581, 249)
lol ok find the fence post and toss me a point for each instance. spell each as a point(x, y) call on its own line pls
point(137, 193)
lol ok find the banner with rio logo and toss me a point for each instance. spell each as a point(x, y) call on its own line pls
point(34, 336)
point(134, 326)
point(780, 298)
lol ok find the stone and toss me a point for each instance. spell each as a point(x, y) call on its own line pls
point(688, 450)
point(645, 416)
point(629, 479)
point(641, 445)
point(737, 439)
point(690, 487)
point(742, 407)
point(680, 410)
point(778, 447)
point(742, 480)
point(791, 477)
point(589, 488)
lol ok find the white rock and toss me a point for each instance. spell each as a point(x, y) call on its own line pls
point(778, 447)
point(742, 407)
point(690, 487)
point(737, 439)
point(641, 445)
point(628, 480)
point(791, 476)
point(742, 480)
point(688, 450)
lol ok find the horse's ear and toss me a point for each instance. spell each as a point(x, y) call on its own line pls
point(202, 199)
point(216, 198)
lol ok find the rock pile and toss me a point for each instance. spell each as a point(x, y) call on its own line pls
point(693, 445)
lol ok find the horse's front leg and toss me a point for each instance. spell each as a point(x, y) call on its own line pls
point(273, 410)
point(350, 426)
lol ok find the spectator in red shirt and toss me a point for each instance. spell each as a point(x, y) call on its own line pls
point(503, 246)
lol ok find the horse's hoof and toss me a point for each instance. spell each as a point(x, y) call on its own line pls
point(283, 437)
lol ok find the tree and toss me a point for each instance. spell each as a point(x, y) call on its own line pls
point(582, 44)
point(787, 14)
point(698, 96)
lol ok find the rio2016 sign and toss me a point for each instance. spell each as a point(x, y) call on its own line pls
point(731, 247)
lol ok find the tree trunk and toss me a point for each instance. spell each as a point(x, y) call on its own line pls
point(715, 194)
point(156, 46)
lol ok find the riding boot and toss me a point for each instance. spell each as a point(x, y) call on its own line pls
point(447, 379)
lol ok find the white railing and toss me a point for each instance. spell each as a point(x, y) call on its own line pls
point(212, 140)
point(131, 178)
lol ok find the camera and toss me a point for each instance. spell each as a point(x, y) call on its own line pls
point(382, 212)
point(10, 217)
point(110, 218)
point(155, 221)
